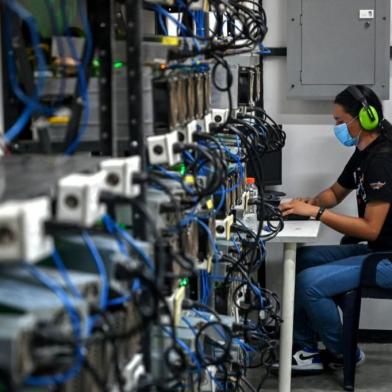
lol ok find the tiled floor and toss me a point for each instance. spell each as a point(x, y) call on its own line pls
point(374, 375)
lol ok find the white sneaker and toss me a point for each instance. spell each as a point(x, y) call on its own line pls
point(305, 361)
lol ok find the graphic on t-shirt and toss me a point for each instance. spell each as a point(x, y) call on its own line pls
point(359, 179)
point(377, 185)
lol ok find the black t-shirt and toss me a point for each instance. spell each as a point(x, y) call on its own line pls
point(370, 173)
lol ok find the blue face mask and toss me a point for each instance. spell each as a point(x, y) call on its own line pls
point(343, 135)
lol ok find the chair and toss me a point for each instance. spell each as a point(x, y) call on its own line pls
point(351, 307)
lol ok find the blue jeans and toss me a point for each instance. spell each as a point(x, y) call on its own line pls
point(322, 273)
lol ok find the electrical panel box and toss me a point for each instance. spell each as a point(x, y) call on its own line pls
point(335, 43)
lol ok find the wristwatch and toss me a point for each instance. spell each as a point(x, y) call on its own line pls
point(320, 212)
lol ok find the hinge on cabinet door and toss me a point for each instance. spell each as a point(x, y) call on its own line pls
point(300, 76)
point(300, 20)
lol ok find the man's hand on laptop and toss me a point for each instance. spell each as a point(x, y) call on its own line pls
point(298, 207)
point(307, 200)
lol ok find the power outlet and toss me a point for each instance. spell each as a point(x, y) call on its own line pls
point(78, 199)
point(161, 149)
point(119, 173)
point(223, 227)
point(22, 230)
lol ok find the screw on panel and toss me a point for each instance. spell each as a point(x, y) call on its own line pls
point(71, 201)
point(112, 179)
point(220, 229)
point(6, 236)
point(158, 150)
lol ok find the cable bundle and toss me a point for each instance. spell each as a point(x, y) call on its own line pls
point(246, 27)
point(36, 103)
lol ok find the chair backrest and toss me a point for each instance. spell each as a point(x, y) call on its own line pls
point(369, 268)
point(376, 292)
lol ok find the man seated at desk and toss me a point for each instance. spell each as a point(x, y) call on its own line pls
point(326, 271)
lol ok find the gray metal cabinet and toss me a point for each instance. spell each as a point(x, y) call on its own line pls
point(334, 43)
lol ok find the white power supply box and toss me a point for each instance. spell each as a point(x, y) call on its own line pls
point(161, 149)
point(119, 174)
point(78, 199)
point(22, 230)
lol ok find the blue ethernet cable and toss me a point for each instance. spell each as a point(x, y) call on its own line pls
point(104, 295)
point(204, 287)
point(257, 292)
point(162, 24)
point(191, 354)
point(137, 248)
point(64, 274)
point(119, 301)
point(201, 350)
point(237, 248)
point(200, 28)
point(33, 103)
point(246, 349)
point(175, 177)
point(132, 242)
point(209, 234)
point(112, 229)
point(222, 194)
point(61, 378)
point(27, 17)
point(183, 29)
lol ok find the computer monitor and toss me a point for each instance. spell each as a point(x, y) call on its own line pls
point(272, 168)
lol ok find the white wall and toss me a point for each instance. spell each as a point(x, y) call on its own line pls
point(312, 158)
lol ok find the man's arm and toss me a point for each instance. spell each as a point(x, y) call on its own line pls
point(330, 197)
point(367, 228)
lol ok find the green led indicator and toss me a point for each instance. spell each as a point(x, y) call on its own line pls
point(184, 282)
point(118, 64)
point(183, 169)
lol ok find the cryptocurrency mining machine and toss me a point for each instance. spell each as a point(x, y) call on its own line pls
point(132, 141)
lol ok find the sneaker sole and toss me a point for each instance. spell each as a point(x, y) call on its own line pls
point(300, 372)
point(307, 370)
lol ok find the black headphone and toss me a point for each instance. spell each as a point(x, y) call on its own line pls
point(368, 116)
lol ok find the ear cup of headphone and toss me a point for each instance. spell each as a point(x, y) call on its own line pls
point(366, 122)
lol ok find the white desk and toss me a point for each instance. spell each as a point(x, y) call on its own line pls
point(294, 232)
